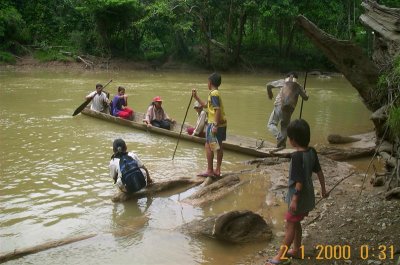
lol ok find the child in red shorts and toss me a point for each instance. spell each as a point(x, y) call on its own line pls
point(300, 196)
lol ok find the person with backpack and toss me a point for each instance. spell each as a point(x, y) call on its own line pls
point(127, 170)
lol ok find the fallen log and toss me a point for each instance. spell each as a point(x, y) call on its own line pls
point(234, 227)
point(159, 187)
point(268, 161)
point(86, 62)
point(393, 193)
point(214, 191)
point(348, 58)
point(341, 154)
point(18, 253)
point(339, 139)
point(390, 160)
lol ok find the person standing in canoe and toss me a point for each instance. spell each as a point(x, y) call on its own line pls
point(284, 105)
point(100, 100)
point(216, 126)
point(119, 105)
point(156, 116)
point(127, 170)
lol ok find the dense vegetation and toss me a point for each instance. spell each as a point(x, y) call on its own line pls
point(211, 33)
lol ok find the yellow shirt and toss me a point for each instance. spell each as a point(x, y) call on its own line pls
point(214, 102)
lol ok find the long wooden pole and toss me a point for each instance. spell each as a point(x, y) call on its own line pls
point(304, 86)
point(52, 244)
point(184, 119)
point(84, 104)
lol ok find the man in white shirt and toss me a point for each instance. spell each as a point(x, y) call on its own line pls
point(99, 98)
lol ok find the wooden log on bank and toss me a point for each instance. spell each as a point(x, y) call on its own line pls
point(390, 160)
point(234, 227)
point(268, 161)
point(18, 253)
point(342, 154)
point(214, 191)
point(159, 187)
point(339, 139)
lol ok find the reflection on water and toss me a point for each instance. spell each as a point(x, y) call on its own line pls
point(54, 167)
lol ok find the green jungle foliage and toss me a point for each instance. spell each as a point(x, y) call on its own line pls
point(394, 121)
point(211, 33)
point(7, 57)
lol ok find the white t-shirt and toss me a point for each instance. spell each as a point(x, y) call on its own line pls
point(115, 170)
point(98, 101)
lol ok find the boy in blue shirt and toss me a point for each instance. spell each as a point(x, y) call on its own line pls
point(300, 196)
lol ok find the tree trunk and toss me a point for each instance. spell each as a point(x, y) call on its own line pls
point(383, 20)
point(289, 42)
point(228, 33)
point(348, 59)
point(242, 21)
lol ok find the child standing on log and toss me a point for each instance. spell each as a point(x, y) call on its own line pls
point(216, 127)
point(300, 196)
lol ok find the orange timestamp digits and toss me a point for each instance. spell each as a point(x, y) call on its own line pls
point(344, 252)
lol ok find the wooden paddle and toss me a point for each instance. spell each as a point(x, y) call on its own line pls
point(184, 119)
point(84, 104)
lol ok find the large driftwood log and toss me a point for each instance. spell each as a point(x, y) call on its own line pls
point(235, 227)
point(340, 154)
point(339, 139)
point(31, 250)
point(159, 187)
point(214, 191)
point(348, 59)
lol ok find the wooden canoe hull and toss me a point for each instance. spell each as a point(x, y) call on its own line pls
point(240, 144)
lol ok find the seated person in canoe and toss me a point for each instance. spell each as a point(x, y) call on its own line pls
point(100, 101)
point(199, 129)
point(156, 116)
point(127, 170)
point(119, 105)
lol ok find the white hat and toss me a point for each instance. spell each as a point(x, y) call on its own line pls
point(197, 105)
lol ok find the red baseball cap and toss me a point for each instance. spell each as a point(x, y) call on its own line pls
point(157, 99)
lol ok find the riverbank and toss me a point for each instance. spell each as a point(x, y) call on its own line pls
point(348, 221)
point(28, 63)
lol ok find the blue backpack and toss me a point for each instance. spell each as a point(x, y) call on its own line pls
point(132, 176)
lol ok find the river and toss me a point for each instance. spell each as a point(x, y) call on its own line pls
point(54, 167)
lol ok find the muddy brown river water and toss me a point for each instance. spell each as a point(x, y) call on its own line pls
point(54, 167)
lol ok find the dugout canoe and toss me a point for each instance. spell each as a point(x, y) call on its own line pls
point(240, 144)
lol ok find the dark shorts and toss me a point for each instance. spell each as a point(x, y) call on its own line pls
point(294, 218)
point(221, 133)
point(164, 124)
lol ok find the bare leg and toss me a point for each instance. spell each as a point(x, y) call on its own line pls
point(297, 238)
point(220, 155)
point(289, 237)
point(210, 159)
